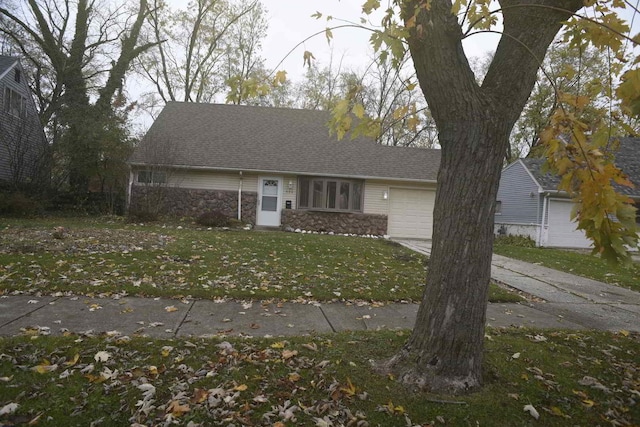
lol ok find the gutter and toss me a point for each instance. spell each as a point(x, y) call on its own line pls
point(305, 173)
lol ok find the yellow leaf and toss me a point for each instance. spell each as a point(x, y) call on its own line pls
point(349, 389)
point(280, 78)
point(170, 308)
point(45, 368)
point(328, 34)
point(624, 333)
point(279, 344)
point(588, 403)
point(307, 57)
point(358, 111)
point(72, 361)
point(166, 350)
point(241, 387)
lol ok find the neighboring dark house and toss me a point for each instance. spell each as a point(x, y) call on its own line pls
point(529, 203)
point(280, 167)
point(22, 140)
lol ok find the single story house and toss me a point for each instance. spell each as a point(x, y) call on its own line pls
point(529, 204)
point(279, 167)
point(22, 139)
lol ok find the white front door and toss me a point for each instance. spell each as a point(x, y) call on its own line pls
point(269, 201)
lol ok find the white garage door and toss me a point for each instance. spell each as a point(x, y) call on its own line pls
point(562, 232)
point(411, 213)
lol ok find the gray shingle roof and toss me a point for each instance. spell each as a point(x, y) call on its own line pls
point(273, 139)
point(627, 159)
point(6, 62)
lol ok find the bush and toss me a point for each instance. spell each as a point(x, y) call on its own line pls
point(515, 240)
point(214, 219)
point(19, 204)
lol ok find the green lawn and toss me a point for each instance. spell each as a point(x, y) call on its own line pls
point(579, 263)
point(92, 256)
point(585, 379)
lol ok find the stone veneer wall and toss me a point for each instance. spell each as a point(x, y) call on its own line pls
point(336, 222)
point(187, 202)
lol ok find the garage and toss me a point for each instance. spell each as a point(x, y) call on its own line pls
point(411, 213)
point(562, 232)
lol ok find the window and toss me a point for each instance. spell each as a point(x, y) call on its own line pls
point(152, 177)
point(16, 76)
point(330, 194)
point(498, 207)
point(14, 103)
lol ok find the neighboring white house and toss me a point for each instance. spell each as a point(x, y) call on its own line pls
point(22, 140)
point(280, 167)
point(528, 202)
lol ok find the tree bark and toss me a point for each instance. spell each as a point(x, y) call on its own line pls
point(445, 350)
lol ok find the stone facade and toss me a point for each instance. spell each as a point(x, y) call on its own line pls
point(336, 222)
point(187, 202)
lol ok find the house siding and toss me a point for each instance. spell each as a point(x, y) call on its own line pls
point(22, 141)
point(519, 196)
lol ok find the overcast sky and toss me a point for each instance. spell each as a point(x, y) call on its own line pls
point(290, 23)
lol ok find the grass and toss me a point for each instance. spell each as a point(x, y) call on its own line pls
point(579, 263)
point(98, 256)
point(586, 378)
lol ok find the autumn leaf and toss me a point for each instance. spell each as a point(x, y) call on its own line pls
point(532, 411)
point(176, 409)
point(170, 308)
point(307, 57)
point(288, 354)
point(102, 356)
point(241, 387)
point(349, 389)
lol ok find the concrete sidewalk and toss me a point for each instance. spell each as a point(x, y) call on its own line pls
point(167, 318)
point(578, 300)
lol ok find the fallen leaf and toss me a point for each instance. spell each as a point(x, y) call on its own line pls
point(531, 410)
point(288, 354)
point(241, 387)
point(102, 356)
point(9, 409)
point(176, 409)
point(170, 308)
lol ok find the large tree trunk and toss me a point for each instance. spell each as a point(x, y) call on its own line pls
point(445, 350)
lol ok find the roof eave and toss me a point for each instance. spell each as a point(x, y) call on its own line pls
point(292, 172)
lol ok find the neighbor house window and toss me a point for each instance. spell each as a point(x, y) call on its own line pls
point(16, 76)
point(330, 194)
point(498, 209)
point(152, 177)
point(14, 103)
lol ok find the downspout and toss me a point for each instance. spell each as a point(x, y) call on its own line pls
point(544, 215)
point(129, 187)
point(240, 198)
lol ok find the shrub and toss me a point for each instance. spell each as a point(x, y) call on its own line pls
point(515, 240)
point(18, 204)
point(214, 219)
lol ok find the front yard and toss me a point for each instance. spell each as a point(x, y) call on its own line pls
point(92, 257)
point(533, 378)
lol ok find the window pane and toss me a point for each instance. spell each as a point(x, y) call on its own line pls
point(270, 203)
point(357, 196)
point(303, 201)
point(159, 177)
point(270, 187)
point(317, 193)
point(331, 194)
point(344, 195)
point(144, 177)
